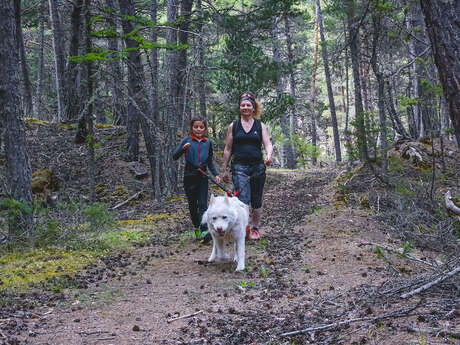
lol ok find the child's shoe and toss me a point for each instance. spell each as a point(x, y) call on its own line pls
point(197, 233)
point(205, 237)
point(254, 233)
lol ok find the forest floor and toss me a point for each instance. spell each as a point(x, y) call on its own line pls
point(320, 260)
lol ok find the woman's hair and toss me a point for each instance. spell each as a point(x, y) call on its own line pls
point(193, 120)
point(247, 96)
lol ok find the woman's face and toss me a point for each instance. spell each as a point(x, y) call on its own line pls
point(198, 129)
point(246, 108)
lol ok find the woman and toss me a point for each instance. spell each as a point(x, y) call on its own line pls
point(244, 141)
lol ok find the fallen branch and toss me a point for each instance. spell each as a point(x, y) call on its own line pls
point(135, 196)
point(397, 313)
point(436, 332)
point(184, 316)
point(430, 284)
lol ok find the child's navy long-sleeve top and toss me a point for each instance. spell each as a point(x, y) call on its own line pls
point(199, 154)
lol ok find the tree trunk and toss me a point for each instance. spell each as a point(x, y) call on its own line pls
point(118, 107)
point(353, 33)
point(28, 107)
point(182, 66)
point(171, 106)
point(395, 118)
point(346, 100)
point(286, 147)
point(201, 74)
point(136, 83)
point(59, 57)
point(72, 97)
point(442, 18)
point(90, 108)
point(292, 84)
point(335, 127)
point(376, 44)
point(158, 122)
point(313, 90)
point(18, 167)
point(39, 107)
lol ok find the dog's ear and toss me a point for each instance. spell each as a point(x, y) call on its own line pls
point(227, 200)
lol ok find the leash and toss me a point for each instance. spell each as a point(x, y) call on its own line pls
point(230, 194)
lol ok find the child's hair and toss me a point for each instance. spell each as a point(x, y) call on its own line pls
point(193, 120)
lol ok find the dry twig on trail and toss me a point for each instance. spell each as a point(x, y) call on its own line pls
point(450, 204)
point(430, 284)
point(135, 196)
point(184, 316)
point(396, 313)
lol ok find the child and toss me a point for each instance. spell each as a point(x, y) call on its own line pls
point(198, 153)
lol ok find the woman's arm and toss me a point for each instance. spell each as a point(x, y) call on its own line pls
point(267, 144)
point(227, 153)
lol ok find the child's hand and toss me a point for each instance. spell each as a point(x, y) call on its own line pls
point(186, 146)
point(226, 176)
point(218, 179)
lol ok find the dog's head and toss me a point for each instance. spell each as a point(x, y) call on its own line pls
point(221, 215)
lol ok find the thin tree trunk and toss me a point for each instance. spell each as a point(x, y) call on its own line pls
point(18, 167)
point(442, 18)
point(335, 127)
point(395, 119)
point(90, 108)
point(292, 84)
point(286, 147)
point(27, 97)
point(156, 175)
point(359, 113)
point(313, 90)
point(201, 74)
point(39, 107)
point(116, 75)
point(59, 57)
point(136, 83)
point(376, 19)
point(72, 96)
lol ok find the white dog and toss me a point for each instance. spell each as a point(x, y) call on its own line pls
point(227, 218)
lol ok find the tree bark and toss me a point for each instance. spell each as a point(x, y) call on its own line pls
point(292, 84)
point(27, 97)
point(335, 127)
point(118, 107)
point(39, 99)
point(156, 176)
point(201, 74)
point(442, 19)
point(59, 57)
point(395, 118)
point(136, 83)
point(18, 167)
point(73, 97)
point(90, 108)
point(353, 33)
point(286, 146)
point(313, 90)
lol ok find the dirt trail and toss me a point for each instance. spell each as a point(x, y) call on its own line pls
point(306, 270)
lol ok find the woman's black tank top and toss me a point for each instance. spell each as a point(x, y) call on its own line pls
point(247, 147)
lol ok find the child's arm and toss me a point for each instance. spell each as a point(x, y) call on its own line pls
point(180, 149)
point(211, 165)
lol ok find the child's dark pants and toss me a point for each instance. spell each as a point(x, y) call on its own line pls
point(196, 190)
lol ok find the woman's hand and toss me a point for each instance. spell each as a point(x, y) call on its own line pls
point(186, 146)
point(218, 179)
point(268, 161)
point(226, 176)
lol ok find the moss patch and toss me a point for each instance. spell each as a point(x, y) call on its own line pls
point(20, 270)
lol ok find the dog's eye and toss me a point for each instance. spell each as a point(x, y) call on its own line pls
point(214, 218)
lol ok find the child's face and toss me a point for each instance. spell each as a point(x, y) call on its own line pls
point(198, 129)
